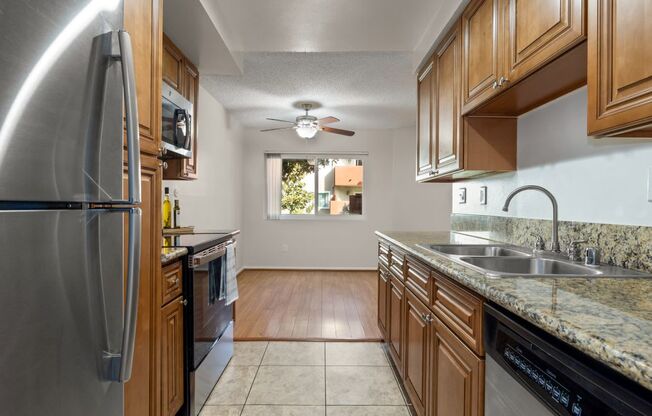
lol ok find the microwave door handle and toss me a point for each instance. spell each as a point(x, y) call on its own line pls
point(189, 130)
point(131, 116)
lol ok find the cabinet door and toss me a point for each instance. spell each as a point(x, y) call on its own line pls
point(447, 106)
point(424, 130)
point(171, 324)
point(143, 20)
point(457, 376)
point(619, 66)
point(173, 68)
point(417, 325)
point(482, 63)
point(540, 30)
point(140, 393)
point(383, 288)
point(396, 300)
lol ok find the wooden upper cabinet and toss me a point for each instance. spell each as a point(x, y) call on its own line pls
point(539, 30)
point(417, 329)
point(182, 75)
point(424, 121)
point(482, 54)
point(143, 19)
point(457, 385)
point(620, 67)
point(447, 119)
point(173, 67)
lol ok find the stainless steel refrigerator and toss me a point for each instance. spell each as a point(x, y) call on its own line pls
point(68, 298)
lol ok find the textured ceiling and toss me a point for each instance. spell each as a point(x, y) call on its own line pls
point(364, 89)
point(324, 25)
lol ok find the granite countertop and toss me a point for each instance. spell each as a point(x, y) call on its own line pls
point(608, 318)
point(170, 254)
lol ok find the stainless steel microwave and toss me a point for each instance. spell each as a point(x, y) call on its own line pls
point(177, 123)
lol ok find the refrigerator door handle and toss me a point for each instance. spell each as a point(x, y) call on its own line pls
point(131, 116)
point(120, 365)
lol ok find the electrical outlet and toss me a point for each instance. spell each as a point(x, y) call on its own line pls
point(462, 195)
point(649, 184)
point(483, 195)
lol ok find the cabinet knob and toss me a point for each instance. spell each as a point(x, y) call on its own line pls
point(173, 280)
point(184, 302)
point(427, 318)
point(494, 85)
point(163, 163)
point(434, 171)
point(502, 81)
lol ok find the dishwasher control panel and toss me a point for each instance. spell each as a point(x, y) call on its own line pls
point(545, 380)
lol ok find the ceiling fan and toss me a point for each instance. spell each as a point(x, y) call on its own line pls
point(307, 126)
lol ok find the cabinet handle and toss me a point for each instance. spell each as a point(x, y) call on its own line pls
point(426, 318)
point(494, 85)
point(434, 171)
point(502, 81)
point(163, 163)
point(173, 280)
point(184, 302)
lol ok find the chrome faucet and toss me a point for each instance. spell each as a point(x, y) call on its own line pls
point(555, 226)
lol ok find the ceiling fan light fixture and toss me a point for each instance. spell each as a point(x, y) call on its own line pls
point(306, 132)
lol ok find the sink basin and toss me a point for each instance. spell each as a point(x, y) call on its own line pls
point(524, 266)
point(475, 250)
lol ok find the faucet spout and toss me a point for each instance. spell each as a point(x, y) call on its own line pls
point(555, 223)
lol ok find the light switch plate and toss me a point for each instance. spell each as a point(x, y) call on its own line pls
point(461, 195)
point(649, 184)
point(483, 195)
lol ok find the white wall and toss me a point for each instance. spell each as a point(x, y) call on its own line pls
point(214, 200)
point(594, 180)
point(392, 201)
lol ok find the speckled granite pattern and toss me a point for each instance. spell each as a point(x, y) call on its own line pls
point(170, 254)
point(626, 246)
point(609, 319)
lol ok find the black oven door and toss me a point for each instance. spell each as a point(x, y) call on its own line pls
point(211, 315)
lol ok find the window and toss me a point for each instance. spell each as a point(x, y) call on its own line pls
point(314, 185)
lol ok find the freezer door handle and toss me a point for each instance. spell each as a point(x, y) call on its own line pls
point(120, 365)
point(131, 116)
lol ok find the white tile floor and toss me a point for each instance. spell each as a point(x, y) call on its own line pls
point(307, 379)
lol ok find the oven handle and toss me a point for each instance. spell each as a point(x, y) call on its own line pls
point(208, 255)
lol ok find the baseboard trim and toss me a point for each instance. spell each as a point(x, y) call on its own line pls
point(315, 269)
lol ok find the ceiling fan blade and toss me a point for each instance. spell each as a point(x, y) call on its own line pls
point(282, 121)
point(279, 128)
point(328, 120)
point(338, 131)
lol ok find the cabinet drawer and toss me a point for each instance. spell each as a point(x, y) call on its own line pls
point(418, 278)
point(397, 262)
point(459, 309)
point(171, 283)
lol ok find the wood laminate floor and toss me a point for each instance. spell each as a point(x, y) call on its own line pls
point(307, 305)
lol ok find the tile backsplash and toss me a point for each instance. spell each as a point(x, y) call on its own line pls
point(626, 246)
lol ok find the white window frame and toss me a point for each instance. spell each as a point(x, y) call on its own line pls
point(315, 216)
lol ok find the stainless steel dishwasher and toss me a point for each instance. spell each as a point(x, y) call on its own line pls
point(529, 372)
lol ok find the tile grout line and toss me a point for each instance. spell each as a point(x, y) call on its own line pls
point(254, 380)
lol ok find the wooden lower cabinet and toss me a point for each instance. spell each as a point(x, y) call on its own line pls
point(396, 320)
point(415, 358)
point(171, 324)
point(140, 391)
point(457, 376)
point(383, 290)
point(434, 344)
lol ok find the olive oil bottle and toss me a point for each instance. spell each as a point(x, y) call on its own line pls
point(167, 210)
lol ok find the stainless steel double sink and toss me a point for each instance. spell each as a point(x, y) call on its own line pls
point(507, 260)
